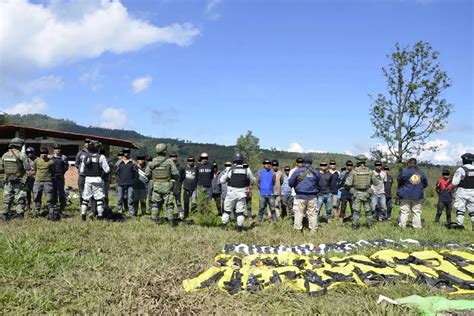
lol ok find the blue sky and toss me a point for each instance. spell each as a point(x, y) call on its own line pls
point(296, 73)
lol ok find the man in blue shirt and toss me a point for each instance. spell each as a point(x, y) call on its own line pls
point(265, 182)
point(411, 184)
point(305, 181)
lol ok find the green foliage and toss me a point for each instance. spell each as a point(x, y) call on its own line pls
point(205, 214)
point(412, 109)
point(248, 145)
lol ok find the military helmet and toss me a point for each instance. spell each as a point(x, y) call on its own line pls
point(467, 158)
point(238, 158)
point(160, 148)
point(17, 142)
point(361, 158)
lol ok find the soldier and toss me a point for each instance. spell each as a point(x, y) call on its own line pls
point(237, 178)
point(95, 166)
point(30, 176)
point(140, 185)
point(306, 181)
point(359, 182)
point(464, 198)
point(411, 183)
point(44, 167)
point(14, 164)
point(248, 198)
point(177, 185)
point(164, 173)
point(61, 165)
point(346, 195)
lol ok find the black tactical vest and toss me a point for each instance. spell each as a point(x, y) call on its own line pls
point(468, 181)
point(93, 168)
point(239, 178)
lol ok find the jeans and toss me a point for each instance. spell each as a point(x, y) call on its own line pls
point(389, 203)
point(326, 199)
point(208, 191)
point(287, 205)
point(345, 198)
point(189, 196)
point(441, 206)
point(264, 201)
point(122, 192)
point(381, 210)
point(58, 192)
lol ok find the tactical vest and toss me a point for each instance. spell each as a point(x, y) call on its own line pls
point(93, 169)
point(161, 172)
point(468, 181)
point(361, 178)
point(13, 165)
point(239, 178)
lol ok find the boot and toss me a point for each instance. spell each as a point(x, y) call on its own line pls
point(83, 217)
point(240, 229)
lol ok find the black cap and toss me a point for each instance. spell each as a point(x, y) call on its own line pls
point(43, 150)
point(173, 155)
point(467, 157)
point(267, 162)
point(275, 163)
point(332, 162)
point(378, 163)
point(141, 157)
point(299, 160)
point(287, 168)
point(57, 146)
point(446, 172)
point(349, 163)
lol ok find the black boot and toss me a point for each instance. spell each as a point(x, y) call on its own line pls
point(83, 217)
point(239, 229)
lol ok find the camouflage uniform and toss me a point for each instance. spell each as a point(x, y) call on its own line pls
point(359, 182)
point(14, 164)
point(164, 173)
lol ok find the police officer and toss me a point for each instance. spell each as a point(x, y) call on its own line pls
point(237, 178)
point(79, 163)
point(30, 176)
point(14, 164)
point(359, 183)
point(464, 197)
point(95, 165)
point(61, 165)
point(164, 173)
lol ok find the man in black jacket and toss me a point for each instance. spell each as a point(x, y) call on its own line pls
point(204, 175)
point(188, 178)
point(61, 165)
point(126, 173)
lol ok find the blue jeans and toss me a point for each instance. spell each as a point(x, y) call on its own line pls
point(122, 191)
point(379, 205)
point(327, 200)
point(263, 203)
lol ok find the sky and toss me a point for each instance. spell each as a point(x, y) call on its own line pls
point(298, 74)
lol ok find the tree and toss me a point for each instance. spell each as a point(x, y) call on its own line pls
point(248, 145)
point(413, 108)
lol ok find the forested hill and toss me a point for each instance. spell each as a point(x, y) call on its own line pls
point(184, 148)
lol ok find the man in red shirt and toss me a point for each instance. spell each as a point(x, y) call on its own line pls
point(445, 196)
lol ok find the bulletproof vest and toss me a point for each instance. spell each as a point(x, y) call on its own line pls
point(361, 178)
point(161, 172)
point(93, 169)
point(239, 178)
point(12, 164)
point(58, 165)
point(468, 181)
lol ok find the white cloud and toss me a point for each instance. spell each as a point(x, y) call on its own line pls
point(44, 36)
point(295, 147)
point(92, 77)
point(43, 84)
point(35, 105)
point(140, 84)
point(447, 153)
point(113, 118)
point(211, 7)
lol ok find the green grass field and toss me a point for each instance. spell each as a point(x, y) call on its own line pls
point(138, 267)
